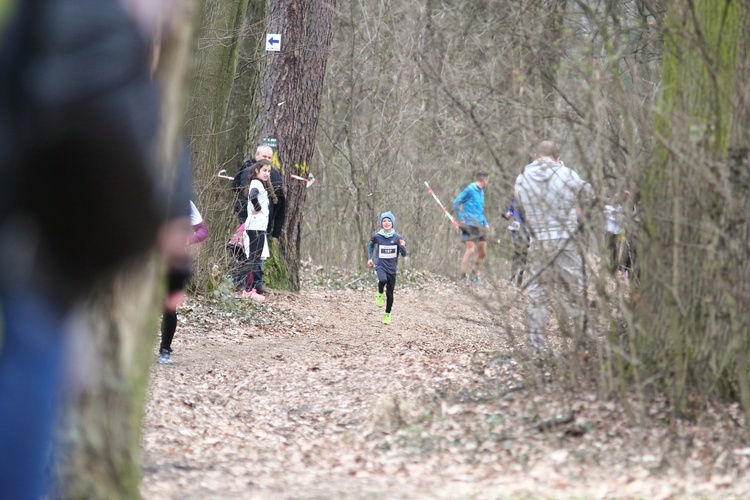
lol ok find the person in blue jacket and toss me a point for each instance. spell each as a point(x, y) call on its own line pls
point(389, 244)
point(469, 207)
point(520, 236)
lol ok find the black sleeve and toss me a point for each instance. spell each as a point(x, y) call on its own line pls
point(253, 197)
point(182, 187)
point(279, 212)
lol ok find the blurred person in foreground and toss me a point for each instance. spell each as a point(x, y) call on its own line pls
point(550, 196)
point(79, 195)
point(176, 286)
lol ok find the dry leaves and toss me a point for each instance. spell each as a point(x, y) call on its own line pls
point(310, 396)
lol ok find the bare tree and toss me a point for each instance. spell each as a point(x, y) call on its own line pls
point(218, 116)
point(290, 104)
point(434, 91)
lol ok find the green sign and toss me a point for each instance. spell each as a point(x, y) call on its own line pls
point(269, 142)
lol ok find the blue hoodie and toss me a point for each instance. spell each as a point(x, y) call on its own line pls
point(469, 206)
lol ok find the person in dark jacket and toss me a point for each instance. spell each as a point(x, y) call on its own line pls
point(277, 212)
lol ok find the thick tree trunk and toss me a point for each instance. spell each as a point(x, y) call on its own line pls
point(695, 269)
point(100, 452)
point(216, 57)
point(215, 67)
point(291, 105)
point(100, 441)
point(239, 139)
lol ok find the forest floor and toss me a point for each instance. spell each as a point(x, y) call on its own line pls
point(309, 396)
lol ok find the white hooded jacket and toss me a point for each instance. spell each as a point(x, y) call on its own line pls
point(549, 194)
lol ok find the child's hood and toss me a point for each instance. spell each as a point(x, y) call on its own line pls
point(390, 216)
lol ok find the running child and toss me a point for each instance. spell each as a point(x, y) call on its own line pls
point(390, 244)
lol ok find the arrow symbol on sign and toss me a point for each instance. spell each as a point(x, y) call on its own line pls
point(272, 40)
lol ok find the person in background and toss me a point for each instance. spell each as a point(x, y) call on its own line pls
point(175, 296)
point(469, 207)
point(242, 179)
point(257, 221)
point(520, 237)
point(276, 213)
point(550, 196)
point(389, 244)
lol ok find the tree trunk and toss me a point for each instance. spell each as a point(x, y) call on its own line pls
point(695, 271)
point(239, 139)
point(100, 441)
point(290, 107)
point(216, 58)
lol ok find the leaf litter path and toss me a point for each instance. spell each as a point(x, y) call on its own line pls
point(310, 396)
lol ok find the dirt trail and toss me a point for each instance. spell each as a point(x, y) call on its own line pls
point(310, 396)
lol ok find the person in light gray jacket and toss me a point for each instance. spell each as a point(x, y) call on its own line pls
point(550, 195)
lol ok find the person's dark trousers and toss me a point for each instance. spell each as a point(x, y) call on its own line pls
point(613, 247)
point(388, 282)
point(31, 378)
point(239, 266)
point(168, 327)
point(520, 253)
point(258, 277)
point(255, 250)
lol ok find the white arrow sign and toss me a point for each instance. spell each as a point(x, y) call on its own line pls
point(273, 42)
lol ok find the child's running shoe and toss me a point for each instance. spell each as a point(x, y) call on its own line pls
point(386, 318)
point(464, 280)
point(165, 357)
point(379, 299)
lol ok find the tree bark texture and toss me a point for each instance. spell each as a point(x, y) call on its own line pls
point(290, 106)
point(219, 36)
point(695, 271)
point(213, 73)
point(100, 436)
point(239, 138)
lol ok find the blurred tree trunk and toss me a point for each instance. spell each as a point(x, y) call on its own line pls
point(290, 108)
point(695, 271)
point(100, 441)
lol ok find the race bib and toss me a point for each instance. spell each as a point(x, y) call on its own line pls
point(387, 251)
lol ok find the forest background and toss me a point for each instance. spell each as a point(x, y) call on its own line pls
point(376, 97)
point(644, 96)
